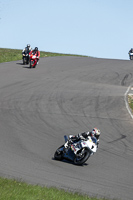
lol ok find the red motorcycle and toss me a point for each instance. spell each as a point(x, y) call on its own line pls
point(33, 60)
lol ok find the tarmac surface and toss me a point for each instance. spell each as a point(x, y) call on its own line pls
point(62, 96)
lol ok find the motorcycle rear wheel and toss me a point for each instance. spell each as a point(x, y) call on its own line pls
point(81, 160)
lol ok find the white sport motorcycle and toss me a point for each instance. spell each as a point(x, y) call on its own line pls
point(77, 152)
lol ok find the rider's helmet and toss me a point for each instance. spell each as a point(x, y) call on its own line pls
point(36, 48)
point(96, 132)
point(28, 46)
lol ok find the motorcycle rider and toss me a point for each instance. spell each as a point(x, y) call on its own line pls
point(131, 50)
point(27, 49)
point(25, 54)
point(130, 53)
point(35, 52)
point(94, 134)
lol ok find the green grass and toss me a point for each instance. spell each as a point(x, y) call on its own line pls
point(7, 55)
point(130, 102)
point(14, 190)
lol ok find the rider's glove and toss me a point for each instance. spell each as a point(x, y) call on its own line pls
point(66, 145)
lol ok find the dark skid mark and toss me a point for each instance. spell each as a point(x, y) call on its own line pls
point(126, 77)
point(121, 138)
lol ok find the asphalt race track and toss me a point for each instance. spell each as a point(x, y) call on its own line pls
point(67, 95)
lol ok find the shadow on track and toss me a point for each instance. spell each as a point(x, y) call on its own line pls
point(19, 63)
point(24, 66)
point(69, 162)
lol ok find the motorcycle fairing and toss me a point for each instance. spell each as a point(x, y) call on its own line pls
point(69, 154)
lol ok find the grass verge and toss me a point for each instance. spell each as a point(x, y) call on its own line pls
point(14, 190)
point(7, 55)
point(130, 102)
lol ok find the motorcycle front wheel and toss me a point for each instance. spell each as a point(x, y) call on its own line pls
point(58, 154)
point(24, 60)
point(27, 61)
point(131, 57)
point(80, 160)
point(31, 63)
